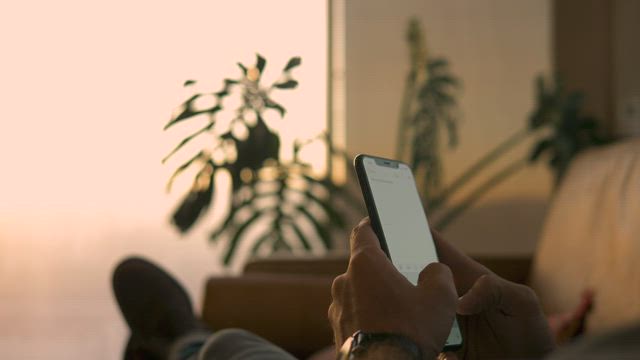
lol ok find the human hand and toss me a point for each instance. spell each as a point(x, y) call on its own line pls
point(499, 319)
point(373, 296)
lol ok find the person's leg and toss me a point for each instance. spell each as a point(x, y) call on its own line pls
point(228, 344)
point(156, 308)
point(238, 344)
point(163, 326)
point(188, 346)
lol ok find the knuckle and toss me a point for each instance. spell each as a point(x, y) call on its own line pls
point(444, 271)
point(510, 295)
point(438, 278)
point(356, 230)
point(337, 286)
point(491, 288)
point(527, 295)
point(490, 281)
point(359, 259)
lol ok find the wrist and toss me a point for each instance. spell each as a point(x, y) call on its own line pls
point(373, 346)
point(383, 351)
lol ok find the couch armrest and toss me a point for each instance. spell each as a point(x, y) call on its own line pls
point(288, 310)
point(332, 264)
point(512, 268)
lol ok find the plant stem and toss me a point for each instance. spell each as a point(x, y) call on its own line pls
point(405, 108)
point(496, 179)
point(478, 166)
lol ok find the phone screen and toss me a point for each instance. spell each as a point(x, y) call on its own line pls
point(402, 221)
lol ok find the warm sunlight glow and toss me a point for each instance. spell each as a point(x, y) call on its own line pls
point(85, 92)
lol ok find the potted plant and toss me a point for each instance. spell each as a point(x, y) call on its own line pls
point(275, 205)
point(429, 105)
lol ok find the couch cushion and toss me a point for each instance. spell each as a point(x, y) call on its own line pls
point(289, 310)
point(591, 238)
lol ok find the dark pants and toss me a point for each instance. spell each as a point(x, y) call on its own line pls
point(236, 344)
point(228, 344)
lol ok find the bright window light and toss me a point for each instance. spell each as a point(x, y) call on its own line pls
point(85, 90)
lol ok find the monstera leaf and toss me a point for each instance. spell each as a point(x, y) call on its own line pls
point(260, 144)
point(287, 206)
point(273, 205)
point(197, 200)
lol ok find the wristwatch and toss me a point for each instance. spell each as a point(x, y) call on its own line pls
point(358, 344)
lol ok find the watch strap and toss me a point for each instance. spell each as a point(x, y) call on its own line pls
point(361, 341)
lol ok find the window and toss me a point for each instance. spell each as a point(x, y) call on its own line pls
point(86, 89)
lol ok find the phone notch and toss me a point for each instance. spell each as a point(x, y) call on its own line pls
point(386, 163)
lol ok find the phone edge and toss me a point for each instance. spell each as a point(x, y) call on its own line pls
point(369, 203)
point(375, 221)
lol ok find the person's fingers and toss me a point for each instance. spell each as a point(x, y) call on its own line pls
point(337, 287)
point(363, 237)
point(439, 276)
point(336, 309)
point(465, 270)
point(331, 313)
point(485, 295)
point(491, 292)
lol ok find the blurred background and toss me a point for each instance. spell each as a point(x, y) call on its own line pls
point(86, 88)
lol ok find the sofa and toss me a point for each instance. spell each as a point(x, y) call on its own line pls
point(590, 243)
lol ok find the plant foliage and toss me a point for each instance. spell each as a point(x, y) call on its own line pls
point(428, 108)
point(429, 105)
point(273, 205)
point(571, 130)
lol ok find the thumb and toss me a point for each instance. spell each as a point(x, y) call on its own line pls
point(437, 275)
point(484, 295)
point(363, 237)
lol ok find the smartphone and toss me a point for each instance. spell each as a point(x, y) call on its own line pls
point(398, 219)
